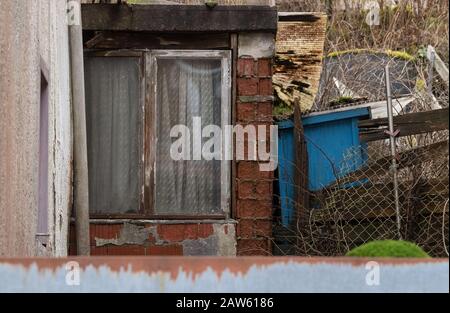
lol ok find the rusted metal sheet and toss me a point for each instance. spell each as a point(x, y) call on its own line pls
point(211, 274)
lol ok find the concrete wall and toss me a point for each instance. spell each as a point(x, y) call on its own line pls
point(32, 31)
point(236, 275)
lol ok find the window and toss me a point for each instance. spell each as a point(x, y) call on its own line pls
point(133, 100)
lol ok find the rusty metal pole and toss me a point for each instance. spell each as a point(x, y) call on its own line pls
point(81, 191)
point(392, 139)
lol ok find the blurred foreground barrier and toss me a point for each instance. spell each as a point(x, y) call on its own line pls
point(216, 274)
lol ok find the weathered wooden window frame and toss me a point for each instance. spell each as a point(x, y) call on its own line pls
point(148, 132)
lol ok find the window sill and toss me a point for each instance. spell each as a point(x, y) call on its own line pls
point(161, 221)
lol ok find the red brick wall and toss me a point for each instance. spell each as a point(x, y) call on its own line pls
point(168, 242)
point(254, 187)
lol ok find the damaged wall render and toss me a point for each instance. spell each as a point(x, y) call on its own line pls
point(114, 237)
point(33, 38)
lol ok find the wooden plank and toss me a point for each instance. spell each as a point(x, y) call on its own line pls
point(179, 18)
point(407, 124)
point(142, 40)
point(299, 17)
point(149, 135)
point(373, 210)
point(370, 201)
point(301, 166)
point(439, 65)
point(406, 159)
point(234, 46)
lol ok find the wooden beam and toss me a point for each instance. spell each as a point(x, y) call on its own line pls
point(299, 17)
point(438, 64)
point(406, 159)
point(407, 124)
point(179, 18)
point(143, 40)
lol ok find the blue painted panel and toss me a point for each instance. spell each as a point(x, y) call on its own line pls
point(286, 171)
point(327, 144)
point(334, 116)
point(328, 137)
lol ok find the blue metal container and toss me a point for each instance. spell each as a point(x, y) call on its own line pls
point(329, 135)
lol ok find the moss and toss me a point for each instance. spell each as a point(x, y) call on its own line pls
point(389, 248)
point(282, 111)
point(421, 85)
point(344, 52)
point(403, 55)
point(342, 100)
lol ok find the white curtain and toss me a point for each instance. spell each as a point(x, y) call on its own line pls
point(113, 129)
point(187, 88)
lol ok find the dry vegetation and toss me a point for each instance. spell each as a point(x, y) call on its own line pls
point(407, 26)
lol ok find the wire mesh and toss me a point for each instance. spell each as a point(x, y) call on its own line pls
point(359, 206)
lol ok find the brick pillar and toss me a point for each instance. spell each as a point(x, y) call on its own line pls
point(254, 187)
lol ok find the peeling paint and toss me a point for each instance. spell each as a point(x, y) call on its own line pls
point(129, 234)
point(256, 45)
point(226, 235)
point(221, 243)
point(194, 238)
point(206, 275)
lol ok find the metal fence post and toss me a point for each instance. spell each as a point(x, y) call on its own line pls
point(392, 134)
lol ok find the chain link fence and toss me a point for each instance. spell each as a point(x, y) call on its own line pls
point(359, 206)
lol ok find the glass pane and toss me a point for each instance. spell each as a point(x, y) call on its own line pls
point(113, 127)
point(187, 88)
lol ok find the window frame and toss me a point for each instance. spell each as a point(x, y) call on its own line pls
point(148, 103)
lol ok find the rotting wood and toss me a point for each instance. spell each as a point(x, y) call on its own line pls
point(438, 64)
point(234, 46)
point(179, 18)
point(301, 176)
point(372, 206)
point(407, 124)
point(144, 40)
point(301, 164)
point(299, 56)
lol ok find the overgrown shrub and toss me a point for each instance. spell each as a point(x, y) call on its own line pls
point(388, 248)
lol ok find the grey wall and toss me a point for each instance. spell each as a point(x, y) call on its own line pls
point(32, 30)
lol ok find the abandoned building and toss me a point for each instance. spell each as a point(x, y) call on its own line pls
point(93, 95)
point(142, 76)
